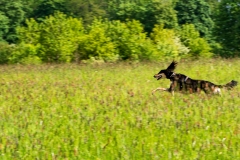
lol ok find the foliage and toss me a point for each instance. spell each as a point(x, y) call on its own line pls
point(62, 39)
point(195, 12)
point(99, 30)
point(228, 27)
point(206, 15)
point(87, 10)
point(12, 14)
point(59, 37)
point(214, 4)
point(148, 13)
point(164, 13)
point(45, 8)
point(55, 39)
point(198, 46)
point(5, 52)
point(97, 44)
point(25, 54)
point(168, 43)
point(107, 112)
point(31, 33)
point(115, 40)
point(4, 27)
point(27, 50)
point(130, 39)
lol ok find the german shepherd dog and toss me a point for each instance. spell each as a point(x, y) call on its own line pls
point(182, 83)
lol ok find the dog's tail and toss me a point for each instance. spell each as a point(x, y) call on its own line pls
point(231, 84)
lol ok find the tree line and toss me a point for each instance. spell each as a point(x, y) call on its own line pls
point(112, 30)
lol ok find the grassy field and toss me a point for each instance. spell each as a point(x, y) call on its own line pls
point(107, 112)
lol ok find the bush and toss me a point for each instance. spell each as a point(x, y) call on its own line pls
point(27, 50)
point(115, 40)
point(5, 52)
point(96, 44)
point(167, 43)
point(53, 40)
point(198, 46)
point(59, 37)
point(26, 54)
point(132, 43)
point(64, 39)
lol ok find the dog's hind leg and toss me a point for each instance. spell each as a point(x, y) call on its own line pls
point(160, 89)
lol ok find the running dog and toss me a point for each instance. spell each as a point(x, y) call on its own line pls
point(185, 84)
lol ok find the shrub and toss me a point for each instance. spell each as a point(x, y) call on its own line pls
point(198, 46)
point(26, 54)
point(115, 40)
point(59, 37)
point(167, 43)
point(132, 43)
point(5, 52)
point(27, 50)
point(53, 40)
point(96, 44)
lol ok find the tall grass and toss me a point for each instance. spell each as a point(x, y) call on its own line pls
point(108, 112)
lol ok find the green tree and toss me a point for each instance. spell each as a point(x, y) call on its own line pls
point(87, 9)
point(213, 5)
point(164, 13)
point(4, 26)
point(228, 27)
point(195, 12)
point(148, 13)
point(12, 14)
point(43, 8)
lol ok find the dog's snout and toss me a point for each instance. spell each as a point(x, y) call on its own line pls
point(156, 75)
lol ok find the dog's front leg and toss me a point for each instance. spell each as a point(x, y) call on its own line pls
point(160, 89)
point(172, 87)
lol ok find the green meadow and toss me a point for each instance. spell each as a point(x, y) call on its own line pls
point(107, 112)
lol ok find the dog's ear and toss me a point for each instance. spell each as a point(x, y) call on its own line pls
point(172, 66)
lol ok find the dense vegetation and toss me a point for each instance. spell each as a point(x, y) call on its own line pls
point(103, 30)
point(107, 112)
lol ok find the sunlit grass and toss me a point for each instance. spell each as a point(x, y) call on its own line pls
point(108, 112)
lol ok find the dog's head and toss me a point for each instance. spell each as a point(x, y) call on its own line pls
point(166, 73)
